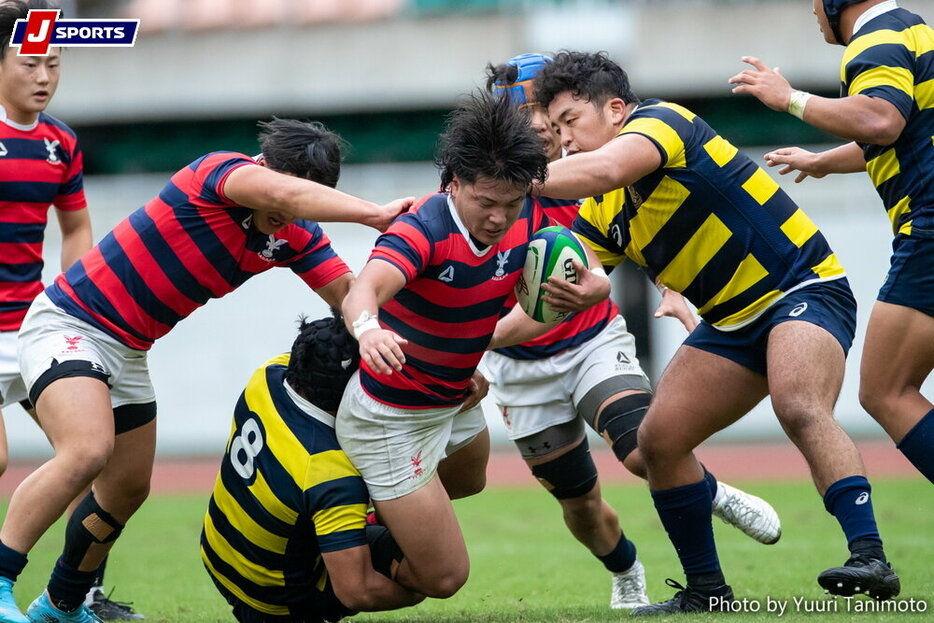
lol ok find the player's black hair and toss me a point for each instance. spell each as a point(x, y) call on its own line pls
point(488, 136)
point(12, 10)
point(324, 357)
point(304, 149)
point(587, 75)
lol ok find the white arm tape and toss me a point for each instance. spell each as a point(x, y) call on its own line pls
point(364, 323)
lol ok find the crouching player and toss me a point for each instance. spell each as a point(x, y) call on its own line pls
point(284, 536)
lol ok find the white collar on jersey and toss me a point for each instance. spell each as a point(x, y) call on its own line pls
point(463, 229)
point(312, 411)
point(18, 126)
point(876, 11)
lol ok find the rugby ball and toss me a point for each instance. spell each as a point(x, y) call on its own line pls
point(551, 253)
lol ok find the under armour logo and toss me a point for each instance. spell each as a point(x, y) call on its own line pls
point(51, 146)
point(98, 367)
point(798, 310)
point(501, 258)
point(447, 275)
point(862, 499)
point(272, 245)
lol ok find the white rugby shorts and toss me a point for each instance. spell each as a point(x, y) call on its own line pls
point(536, 394)
point(50, 335)
point(397, 451)
point(12, 388)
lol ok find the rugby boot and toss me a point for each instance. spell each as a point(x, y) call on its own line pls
point(42, 611)
point(9, 612)
point(752, 515)
point(861, 574)
point(688, 600)
point(628, 590)
point(108, 610)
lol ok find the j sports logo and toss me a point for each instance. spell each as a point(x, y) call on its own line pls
point(42, 29)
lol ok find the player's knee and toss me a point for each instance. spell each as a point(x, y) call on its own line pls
point(618, 422)
point(446, 583)
point(570, 475)
point(876, 400)
point(85, 460)
point(587, 507)
point(658, 445)
point(635, 463)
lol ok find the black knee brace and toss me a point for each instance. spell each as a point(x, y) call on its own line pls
point(570, 475)
point(89, 525)
point(384, 550)
point(619, 421)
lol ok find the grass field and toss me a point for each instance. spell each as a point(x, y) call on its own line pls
point(526, 566)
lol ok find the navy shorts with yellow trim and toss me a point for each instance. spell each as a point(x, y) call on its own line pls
point(910, 281)
point(827, 304)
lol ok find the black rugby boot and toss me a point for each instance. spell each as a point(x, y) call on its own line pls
point(689, 599)
point(861, 574)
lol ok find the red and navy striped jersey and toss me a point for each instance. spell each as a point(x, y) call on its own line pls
point(451, 302)
point(39, 167)
point(577, 328)
point(186, 246)
point(892, 57)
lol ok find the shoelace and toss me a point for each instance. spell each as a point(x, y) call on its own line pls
point(126, 605)
point(628, 586)
point(732, 513)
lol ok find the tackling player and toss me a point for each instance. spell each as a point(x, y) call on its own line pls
point(295, 548)
point(778, 315)
point(888, 112)
point(424, 309)
point(585, 371)
point(82, 349)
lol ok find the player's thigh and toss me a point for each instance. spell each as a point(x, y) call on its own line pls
point(463, 470)
point(811, 331)
point(698, 394)
point(899, 348)
point(425, 527)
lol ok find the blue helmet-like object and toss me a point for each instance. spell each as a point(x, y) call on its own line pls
point(519, 91)
point(833, 9)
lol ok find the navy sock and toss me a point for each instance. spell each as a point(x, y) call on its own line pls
point(99, 575)
point(68, 586)
point(12, 563)
point(621, 558)
point(918, 445)
point(685, 513)
point(849, 501)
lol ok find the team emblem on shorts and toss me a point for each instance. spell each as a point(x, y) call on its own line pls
point(72, 342)
point(417, 469)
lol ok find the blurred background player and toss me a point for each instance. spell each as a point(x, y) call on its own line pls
point(297, 549)
point(777, 312)
point(83, 346)
point(41, 167)
point(585, 371)
point(424, 309)
point(887, 110)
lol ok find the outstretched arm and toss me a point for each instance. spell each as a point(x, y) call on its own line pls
point(618, 163)
point(380, 348)
point(260, 188)
point(844, 159)
point(857, 117)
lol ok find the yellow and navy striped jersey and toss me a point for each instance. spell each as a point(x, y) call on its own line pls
point(285, 493)
point(708, 223)
point(892, 57)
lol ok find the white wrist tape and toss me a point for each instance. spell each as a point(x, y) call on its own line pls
point(797, 102)
point(364, 323)
point(598, 271)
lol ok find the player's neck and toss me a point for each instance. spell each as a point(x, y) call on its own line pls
point(20, 121)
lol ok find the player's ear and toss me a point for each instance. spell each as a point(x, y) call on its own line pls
point(616, 110)
point(455, 186)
